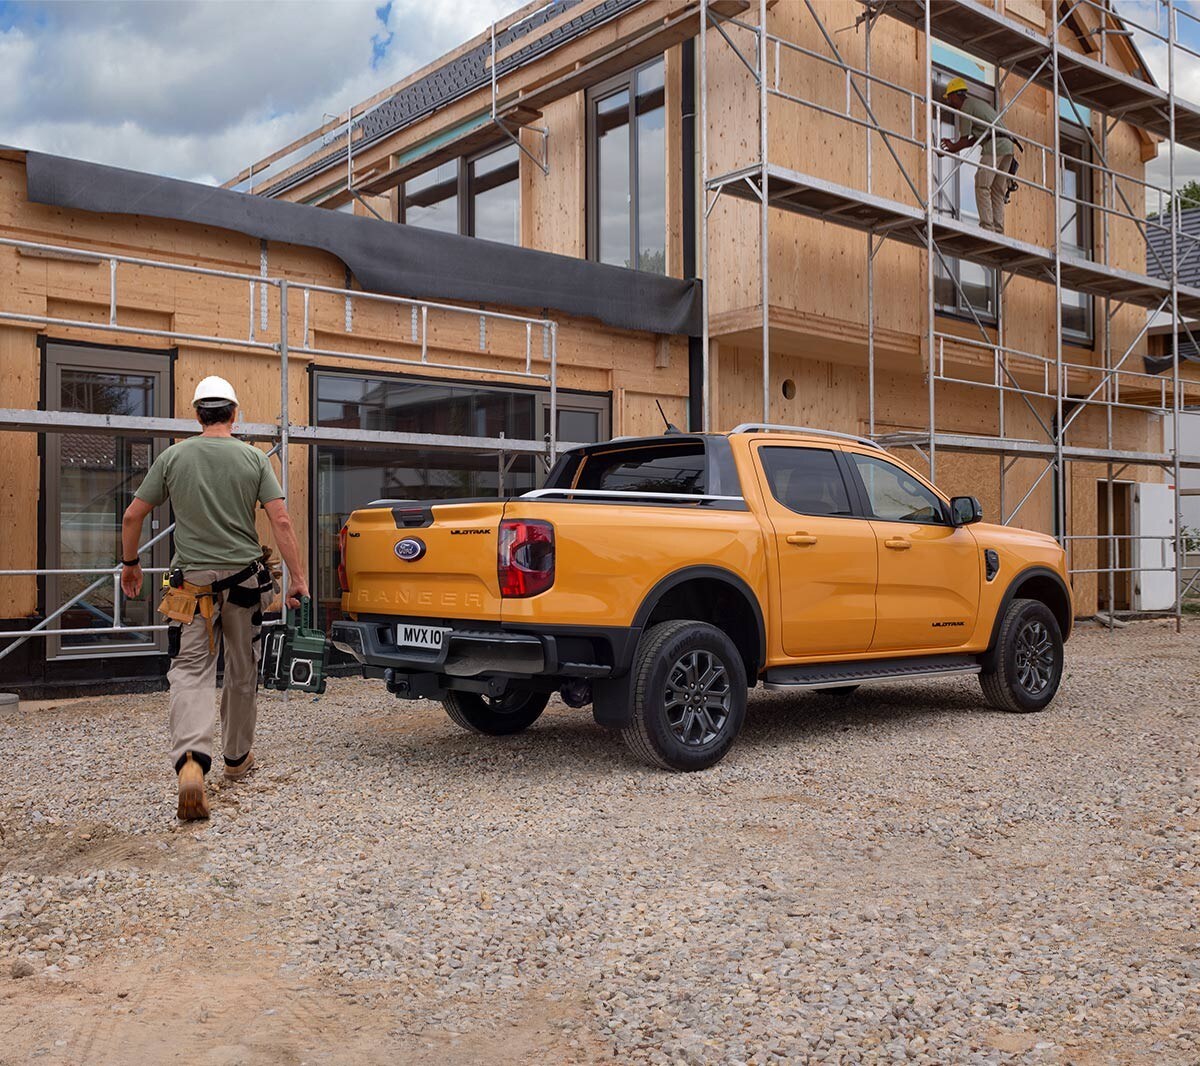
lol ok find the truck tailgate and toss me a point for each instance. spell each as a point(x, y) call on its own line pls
point(435, 560)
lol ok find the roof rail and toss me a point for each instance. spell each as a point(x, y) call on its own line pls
point(758, 427)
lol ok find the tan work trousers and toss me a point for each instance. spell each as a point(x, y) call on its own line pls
point(193, 674)
point(990, 188)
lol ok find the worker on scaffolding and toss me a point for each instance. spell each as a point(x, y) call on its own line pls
point(976, 121)
point(219, 584)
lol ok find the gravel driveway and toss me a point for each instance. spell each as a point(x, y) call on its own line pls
point(907, 876)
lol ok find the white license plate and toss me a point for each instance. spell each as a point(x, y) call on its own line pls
point(431, 638)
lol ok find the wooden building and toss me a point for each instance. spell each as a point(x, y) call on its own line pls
point(575, 129)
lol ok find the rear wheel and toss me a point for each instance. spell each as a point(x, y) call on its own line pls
point(1029, 659)
point(689, 698)
point(511, 713)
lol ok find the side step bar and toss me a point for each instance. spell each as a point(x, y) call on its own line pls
point(844, 674)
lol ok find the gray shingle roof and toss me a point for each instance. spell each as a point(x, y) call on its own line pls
point(460, 76)
point(1158, 247)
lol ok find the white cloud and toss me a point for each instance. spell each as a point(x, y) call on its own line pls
point(200, 89)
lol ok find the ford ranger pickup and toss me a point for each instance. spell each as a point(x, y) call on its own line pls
point(658, 579)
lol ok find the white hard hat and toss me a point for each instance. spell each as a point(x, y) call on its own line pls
point(214, 392)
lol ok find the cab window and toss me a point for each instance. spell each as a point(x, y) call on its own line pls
point(895, 495)
point(806, 480)
point(675, 468)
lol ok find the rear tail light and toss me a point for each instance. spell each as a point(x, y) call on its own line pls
point(525, 565)
point(343, 580)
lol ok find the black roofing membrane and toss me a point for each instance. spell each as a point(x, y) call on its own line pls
point(385, 257)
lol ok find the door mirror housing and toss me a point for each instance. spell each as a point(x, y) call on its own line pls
point(964, 510)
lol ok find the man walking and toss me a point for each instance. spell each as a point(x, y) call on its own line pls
point(976, 122)
point(219, 585)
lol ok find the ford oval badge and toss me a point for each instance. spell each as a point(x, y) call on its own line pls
point(410, 549)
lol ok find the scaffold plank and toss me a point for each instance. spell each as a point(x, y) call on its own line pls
point(1002, 40)
point(1032, 449)
point(830, 202)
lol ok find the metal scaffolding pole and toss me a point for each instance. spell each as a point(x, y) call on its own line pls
point(930, 204)
point(705, 413)
point(765, 209)
point(1176, 404)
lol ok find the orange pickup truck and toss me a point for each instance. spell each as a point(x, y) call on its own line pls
point(660, 578)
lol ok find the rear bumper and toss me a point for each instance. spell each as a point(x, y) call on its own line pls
point(476, 650)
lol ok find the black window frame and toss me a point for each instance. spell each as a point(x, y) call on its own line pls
point(464, 190)
point(959, 311)
point(625, 81)
point(1074, 136)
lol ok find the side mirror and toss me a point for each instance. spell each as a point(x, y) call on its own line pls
point(964, 510)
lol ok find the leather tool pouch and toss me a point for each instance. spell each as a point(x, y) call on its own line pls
point(179, 605)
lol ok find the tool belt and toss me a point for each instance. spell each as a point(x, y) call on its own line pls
point(183, 599)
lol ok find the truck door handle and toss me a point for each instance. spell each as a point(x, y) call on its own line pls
point(899, 544)
point(801, 538)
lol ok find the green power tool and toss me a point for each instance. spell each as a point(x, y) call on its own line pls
point(294, 655)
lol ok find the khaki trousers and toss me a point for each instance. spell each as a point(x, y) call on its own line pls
point(989, 192)
point(193, 674)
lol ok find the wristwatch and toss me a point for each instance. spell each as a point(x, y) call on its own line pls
point(131, 562)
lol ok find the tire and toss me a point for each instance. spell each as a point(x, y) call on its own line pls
point(1029, 659)
point(513, 712)
point(837, 692)
point(675, 726)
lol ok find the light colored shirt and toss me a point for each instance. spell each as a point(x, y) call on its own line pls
point(972, 124)
point(213, 484)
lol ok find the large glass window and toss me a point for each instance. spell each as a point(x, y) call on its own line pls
point(90, 479)
point(477, 196)
point(493, 192)
point(806, 480)
point(975, 290)
point(1075, 227)
point(348, 477)
point(430, 200)
point(895, 495)
point(627, 175)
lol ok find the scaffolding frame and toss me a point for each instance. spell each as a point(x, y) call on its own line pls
point(540, 365)
point(1035, 59)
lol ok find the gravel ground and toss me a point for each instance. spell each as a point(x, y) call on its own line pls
point(905, 877)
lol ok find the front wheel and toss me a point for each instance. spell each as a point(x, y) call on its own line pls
point(496, 717)
point(1029, 659)
point(689, 696)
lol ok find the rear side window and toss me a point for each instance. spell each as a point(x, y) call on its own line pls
point(657, 468)
point(806, 480)
point(895, 495)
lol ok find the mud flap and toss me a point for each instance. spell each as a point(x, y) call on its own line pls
point(612, 701)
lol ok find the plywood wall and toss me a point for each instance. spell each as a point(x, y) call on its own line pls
point(634, 368)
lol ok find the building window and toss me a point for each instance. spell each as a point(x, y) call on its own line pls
point(348, 476)
point(627, 170)
point(975, 290)
point(1075, 229)
point(430, 200)
point(477, 196)
point(88, 481)
point(493, 195)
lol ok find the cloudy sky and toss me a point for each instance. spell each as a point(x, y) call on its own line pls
point(200, 89)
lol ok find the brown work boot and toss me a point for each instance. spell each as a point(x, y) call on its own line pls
point(237, 773)
point(193, 803)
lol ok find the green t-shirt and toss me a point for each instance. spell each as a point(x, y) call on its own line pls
point(213, 483)
point(982, 111)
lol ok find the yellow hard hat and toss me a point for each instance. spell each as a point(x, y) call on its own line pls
point(957, 85)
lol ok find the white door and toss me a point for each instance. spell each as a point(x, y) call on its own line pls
point(1153, 546)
